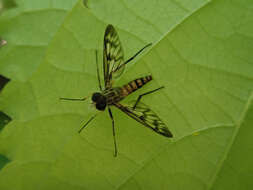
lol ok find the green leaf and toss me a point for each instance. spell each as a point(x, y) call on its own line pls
point(201, 53)
point(236, 172)
point(28, 28)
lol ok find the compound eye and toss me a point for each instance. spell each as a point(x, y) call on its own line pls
point(96, 96)
point(101, 106)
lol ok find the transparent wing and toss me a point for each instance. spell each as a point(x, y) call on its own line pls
point(113, 56)
point(143, 114)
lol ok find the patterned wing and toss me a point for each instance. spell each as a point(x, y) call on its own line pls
point(147, 117)
point(113, 56)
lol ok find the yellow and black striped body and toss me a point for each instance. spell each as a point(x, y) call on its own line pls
point(115, 95)
point(134, 85)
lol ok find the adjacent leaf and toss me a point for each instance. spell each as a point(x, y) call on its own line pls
point(28, 28)
point(3, 161)
point(3, 81)
point(7, 4)
point(4, 120)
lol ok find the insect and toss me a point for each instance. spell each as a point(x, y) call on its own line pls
point(113, 67)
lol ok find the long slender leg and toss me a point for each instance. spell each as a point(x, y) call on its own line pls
point(74, 99)
point(140, 96)
point(131, 58)
point(113, 132)
point(98, 75)
point(87, 123)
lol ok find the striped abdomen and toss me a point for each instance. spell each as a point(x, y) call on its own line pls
point(134, 85)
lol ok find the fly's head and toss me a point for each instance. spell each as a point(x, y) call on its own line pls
point(99, 100)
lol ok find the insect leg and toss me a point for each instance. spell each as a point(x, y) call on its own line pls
point(113, 132)
point(87, 123)
point(98, 75)
point(131, 58)
point(74, 99)
point(140, 96)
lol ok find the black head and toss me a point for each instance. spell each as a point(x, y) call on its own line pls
point(100, 100)
point(96, 96)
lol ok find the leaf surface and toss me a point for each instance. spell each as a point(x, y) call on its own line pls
point(201, 52)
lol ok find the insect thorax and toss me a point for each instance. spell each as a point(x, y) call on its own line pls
point(113, 95)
